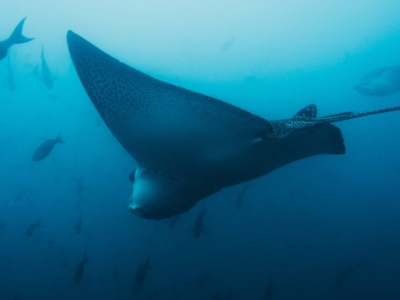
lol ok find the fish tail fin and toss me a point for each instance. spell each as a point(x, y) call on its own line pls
point(58, 139)
point(17, 37)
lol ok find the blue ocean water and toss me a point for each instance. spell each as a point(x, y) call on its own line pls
point(326, 227)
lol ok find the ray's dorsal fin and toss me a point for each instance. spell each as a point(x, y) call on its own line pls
point(307, 113)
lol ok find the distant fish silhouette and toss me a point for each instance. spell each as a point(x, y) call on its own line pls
point(32, 227)
point(79, 269)
point(141, 271)
point(46, 74)
point(172, 222)
point(341, 277)
point(241, 196)
point(202, 280)
point(15, 38)
point(380, 83)
point(228, 44)
point(116, 277)
point(78, 226)
point(217, 296)
point(140, 276)
point(198, 226)
point(45, 148)
point(21, 195)
point(269, 292)
point(10, 77)
point(229, 296)
point(115, 272)
point(17, 295)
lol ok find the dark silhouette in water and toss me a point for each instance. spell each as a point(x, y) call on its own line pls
point(341, 277)
point(78, 226)
point(141, 274)
point(217, 296)
point(46, 74)
point(79, 269)
point(202, 280)
point(230, 295)
point(20, 196)
point(116, 277)
point(45, 148)
point(15, 38)
point(141, 271)
point(198, 226)
point(32, 227)
point(269, 292)
point(17, 295)
point(241, 196)
point(380, 83)
point(173, 221)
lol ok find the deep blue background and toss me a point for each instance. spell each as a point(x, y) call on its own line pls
point(300, 225)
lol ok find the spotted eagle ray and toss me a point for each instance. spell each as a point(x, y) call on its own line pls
point(188, 146)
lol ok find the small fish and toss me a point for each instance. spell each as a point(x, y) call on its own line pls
point(229, 296)
point(228, 44)
point(141, 271)
point(217, 296)
point(10, 77)
point(78, 226)
point(173, 221)
point(241, 196)
point(269, 293)
point(46, 74)
point(115, 272)
point(46, 147)
point(116, 277)
point(202, 280)
point(21, 195)
point(15, 38)
point(17, 295)
point(198, 226)
point(32, 227)
point(341, 277)
point(79, 269)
